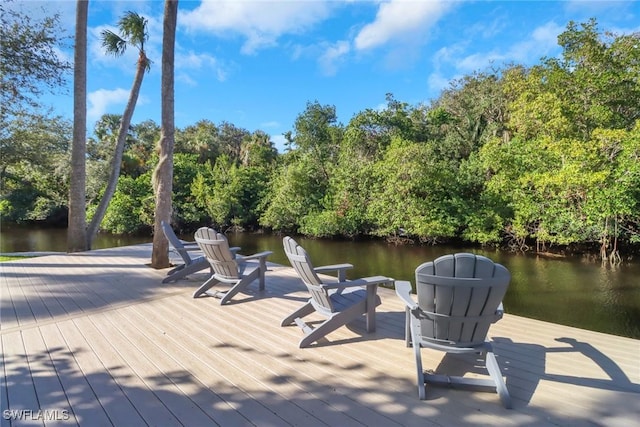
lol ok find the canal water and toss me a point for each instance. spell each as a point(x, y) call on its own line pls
point(574, 291)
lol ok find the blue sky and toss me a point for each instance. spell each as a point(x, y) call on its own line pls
point(256, 63)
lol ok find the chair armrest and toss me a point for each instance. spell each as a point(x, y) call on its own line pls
point(500, 310)
point(340, 269)
point(256, 256)
point(185, 250)
point(333, 267)
point(235, 249)
point(403, 290)
point(365, 281)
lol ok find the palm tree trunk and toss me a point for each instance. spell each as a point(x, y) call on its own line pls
point(76, 232)
point(125, 123)
point(163, 174)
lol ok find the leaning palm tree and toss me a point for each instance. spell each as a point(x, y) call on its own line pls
point(133, 32)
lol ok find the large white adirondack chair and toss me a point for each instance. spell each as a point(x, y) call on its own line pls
point(228, 267)
point(459, 297)
point(340, 302)
point(191, 265)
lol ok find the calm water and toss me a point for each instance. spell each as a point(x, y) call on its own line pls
point(569, 291)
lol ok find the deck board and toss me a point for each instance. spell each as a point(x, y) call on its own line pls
point(171, 371)
point(110, 395)
point(266, 365)
point(97, 335)
point(129, 370)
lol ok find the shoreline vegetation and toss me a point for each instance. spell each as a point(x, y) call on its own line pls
point(542, 159)
point(590, 252)
point(4, 258)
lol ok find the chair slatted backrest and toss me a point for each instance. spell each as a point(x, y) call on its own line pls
point(460, 295)
point(301, 263)
point(216, 249)
point(175, 242)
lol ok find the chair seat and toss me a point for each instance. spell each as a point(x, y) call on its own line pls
point(347, 298)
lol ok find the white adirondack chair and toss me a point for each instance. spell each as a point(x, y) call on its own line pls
point(340, 302)
point(229, 268)
point(459, 297)
point(191, 265)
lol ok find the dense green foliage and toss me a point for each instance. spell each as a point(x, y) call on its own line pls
point(542, 156)
point(33, 146)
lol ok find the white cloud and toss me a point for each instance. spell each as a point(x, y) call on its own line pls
point(594, 7)
point(261, 22)
point(401, 20)
point(543, 40)
point(280, 142)
point(488, 29)
point(102, 99)
point(64, 56)
point(333, 55)
point(448, 54)
point(186, 79)
point(201, 61)
point(540, 42)
point(271, 124)
point(436, 83)
point(479, 61)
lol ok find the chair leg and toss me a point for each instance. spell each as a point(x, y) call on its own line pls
point(305, 310)
point(320, 331)
point(186, 270)
point(371, 308)
point(331, 324)
point(407, 327)
point(241, 285)
point(225, 297)
point(262, 270)
point(211, 281)
point(417, 351)
point(496, 375)
point(173, 270)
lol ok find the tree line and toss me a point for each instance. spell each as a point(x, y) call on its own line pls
point(541, 157)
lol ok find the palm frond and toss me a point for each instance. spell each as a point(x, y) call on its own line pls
point(113, 43)
point(147, 65)
point(134, 27)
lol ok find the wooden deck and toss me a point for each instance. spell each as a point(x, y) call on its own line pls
point(95, 339)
